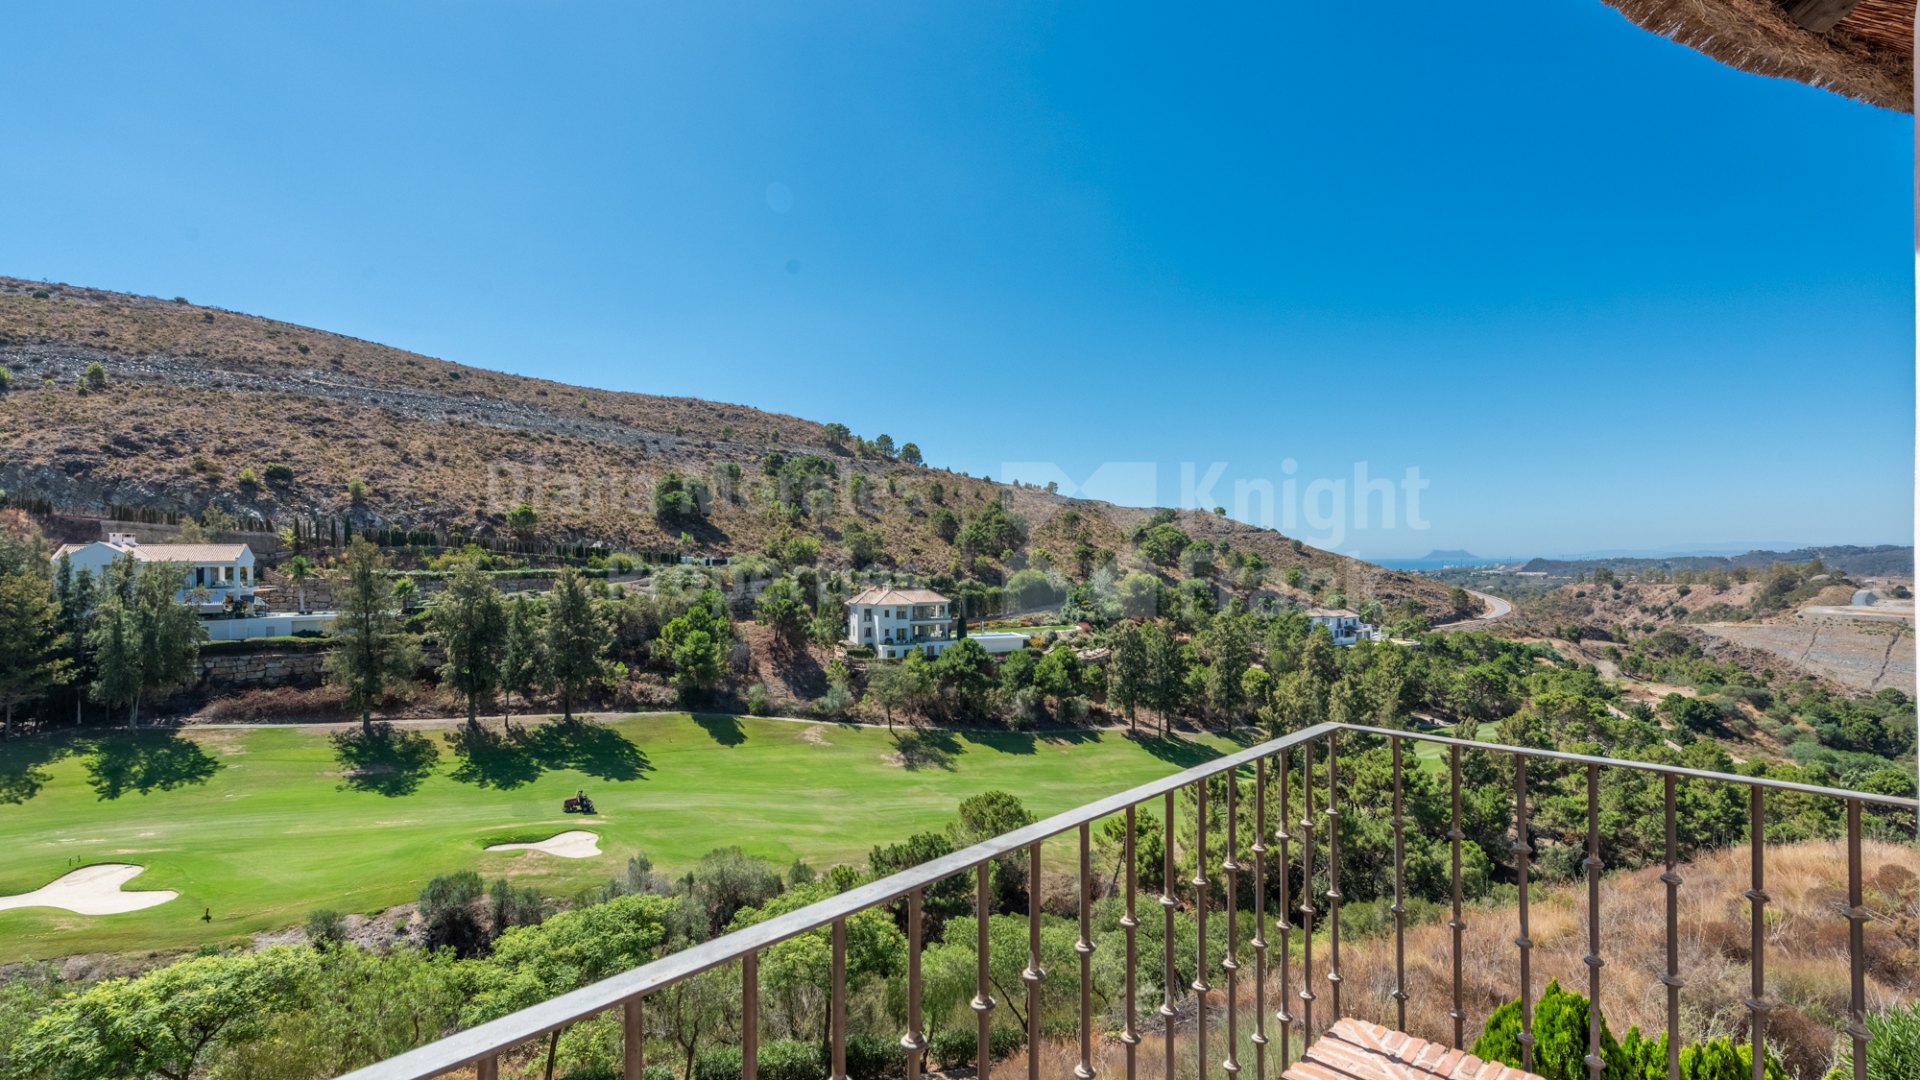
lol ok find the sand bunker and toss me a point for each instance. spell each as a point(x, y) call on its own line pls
point(91, 890)
point(572, 844)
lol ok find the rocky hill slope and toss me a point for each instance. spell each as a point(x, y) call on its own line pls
point(198, 404)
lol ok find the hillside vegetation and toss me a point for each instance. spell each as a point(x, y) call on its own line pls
point(191, 407)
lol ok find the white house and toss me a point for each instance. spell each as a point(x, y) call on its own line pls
point(215, 573)
point(894, 622)
point(1344, 625)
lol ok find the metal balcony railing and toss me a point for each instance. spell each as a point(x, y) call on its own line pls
point(483, 1046)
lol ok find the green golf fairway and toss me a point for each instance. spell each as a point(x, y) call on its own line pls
point(260, 826)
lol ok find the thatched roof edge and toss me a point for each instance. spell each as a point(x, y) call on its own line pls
point(1758, 36)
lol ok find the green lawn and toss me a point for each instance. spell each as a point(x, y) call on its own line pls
point(261, 826)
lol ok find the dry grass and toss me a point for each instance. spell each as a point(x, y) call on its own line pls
point(1806, 961)
point(197, 396)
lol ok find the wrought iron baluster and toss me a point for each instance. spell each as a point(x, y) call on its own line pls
point(1333, 871)
point(983, 987)
point(1856, 945)
point(633, 1029)
point(1306, 896)
point(1130, 922)
point(1523, 865)
point(1084, 946)
point(839, 1015)
point(914, 1042)
point(1033, 974)
point(1286, 919)
point(1167, 904)
point(1456, 924)
point(1199, 883)
point(1399, 908)
point(1230, 868)
point(750, 1011)
point(1671, 979)
point(1757, 1006)
point(1259, 943)
point(1595, 1063)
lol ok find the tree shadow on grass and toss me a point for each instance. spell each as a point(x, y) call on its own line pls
point(384, 760)
point(147, 761)
point(926, 749)
point(23, 765)
point(1007, 742)
point(725, 729)
point(582, 745)
point(1070, 736)
point(1179, 752)
point(491, 759)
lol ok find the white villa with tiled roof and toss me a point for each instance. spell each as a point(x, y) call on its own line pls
point(894, 622)
point(1346, 626)
point(222, 584)
point(223, 571)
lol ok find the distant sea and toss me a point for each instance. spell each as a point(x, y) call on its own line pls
point(1437, 564)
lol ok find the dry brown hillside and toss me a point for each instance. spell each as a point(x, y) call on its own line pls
point(199, 401)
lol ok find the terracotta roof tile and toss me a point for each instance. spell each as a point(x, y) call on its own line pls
point(1357, 1050)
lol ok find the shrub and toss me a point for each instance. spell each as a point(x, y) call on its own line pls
point(790, 1059)
point(1560, 1046)
point(952, 1049)
point(757, 699)
point(326, 926)
point(1894, 1051)
point(357, 490)
point(6, 380)
point(1002, 1042)
point(719, 1063)
point(446, 906)
point(523, 520)
point(1560, 1038)
point(279, 473)
point(607, 1070)
point(94, 377)
point(248, 478)
point(870, 1057)
point(781, 1059)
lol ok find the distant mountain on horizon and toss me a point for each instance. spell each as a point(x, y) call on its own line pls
point(1847, 558)
point(1441, 559)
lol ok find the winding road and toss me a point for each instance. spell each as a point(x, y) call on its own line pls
point(1497, 609)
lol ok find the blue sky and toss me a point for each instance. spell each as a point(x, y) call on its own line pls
point(1600, 291)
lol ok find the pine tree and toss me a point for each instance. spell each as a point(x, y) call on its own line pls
point(578, 637)
point(471, 624)
point(1128, 671)
point(33, 659)
point(371, 649)
point(75, 595)
point(143, 640)
point(523, 662)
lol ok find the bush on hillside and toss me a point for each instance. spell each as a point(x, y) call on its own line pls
point(781, 1059)
point(953, 1049)
point(1894, 1051)
point(1560, 1046)
point(870, 1057)
point(326, 926)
